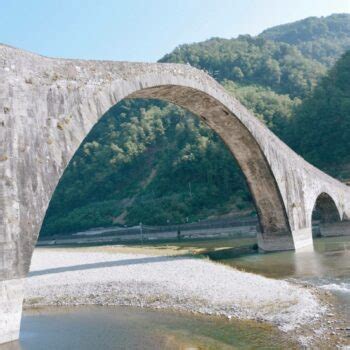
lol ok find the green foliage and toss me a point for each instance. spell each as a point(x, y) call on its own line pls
point(278, 66)
point(195, 175)
point(323, 39)
point(273, 109)
point(321, 127)
point(106, 167)
point(193, 172)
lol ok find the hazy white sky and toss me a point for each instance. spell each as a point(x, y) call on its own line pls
point(137, 30)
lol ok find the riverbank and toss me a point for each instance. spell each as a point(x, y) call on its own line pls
point(109, 276)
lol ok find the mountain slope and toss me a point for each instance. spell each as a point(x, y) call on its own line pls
point(321, 126)
point(323, 39)
point(247, 60)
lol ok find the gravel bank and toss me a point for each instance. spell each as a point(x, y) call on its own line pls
point(60, 277)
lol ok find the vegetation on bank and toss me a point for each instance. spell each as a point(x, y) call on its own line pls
point(156, 163)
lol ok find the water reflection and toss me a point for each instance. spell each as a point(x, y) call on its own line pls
point(308, 264)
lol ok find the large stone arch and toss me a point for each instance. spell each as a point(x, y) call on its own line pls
point(275, 232)
point(73, 99)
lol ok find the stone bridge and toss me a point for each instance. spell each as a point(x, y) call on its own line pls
point(47, 108)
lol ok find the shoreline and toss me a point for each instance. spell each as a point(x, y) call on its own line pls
point(84, 276)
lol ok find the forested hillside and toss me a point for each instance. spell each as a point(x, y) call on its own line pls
point(323, 39)
point(155, 163)
point(247, 60)
point(320, 129)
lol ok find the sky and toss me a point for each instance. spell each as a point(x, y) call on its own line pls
point(136, 30)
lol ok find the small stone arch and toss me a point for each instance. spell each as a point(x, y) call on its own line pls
point(326, 213)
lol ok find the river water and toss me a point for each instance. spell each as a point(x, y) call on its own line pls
point(132, 328)
point(328, 267)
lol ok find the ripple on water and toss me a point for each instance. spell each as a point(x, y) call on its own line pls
point(342, 287)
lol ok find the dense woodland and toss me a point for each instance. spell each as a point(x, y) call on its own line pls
point(320, 127)
point(155, 163)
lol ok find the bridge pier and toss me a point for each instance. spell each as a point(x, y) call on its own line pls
point(274, 243)
point(11, 300)
point(303, 239)
point(299, 240)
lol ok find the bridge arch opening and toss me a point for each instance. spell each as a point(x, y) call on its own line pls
point(325, 215)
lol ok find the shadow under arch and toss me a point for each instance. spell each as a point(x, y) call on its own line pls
point(326, 213)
